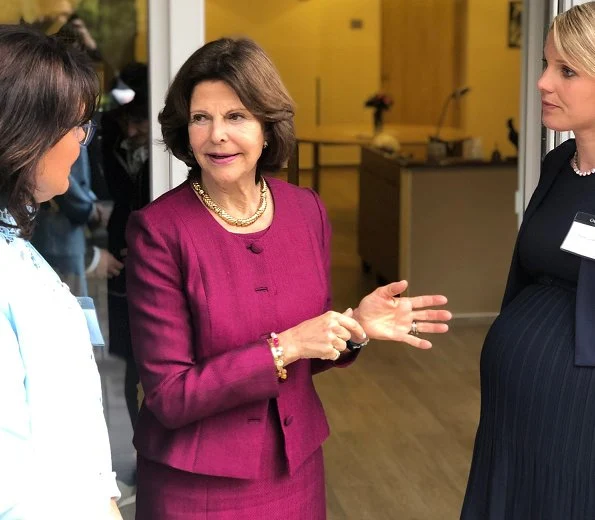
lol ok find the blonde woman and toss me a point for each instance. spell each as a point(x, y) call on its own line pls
point(534, 452)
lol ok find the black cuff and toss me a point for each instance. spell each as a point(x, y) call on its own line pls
point(352, 346)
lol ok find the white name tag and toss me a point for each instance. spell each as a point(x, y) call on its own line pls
point(580, 239)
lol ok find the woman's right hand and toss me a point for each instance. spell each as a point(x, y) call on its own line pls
point(322, 337)
point(107, 267)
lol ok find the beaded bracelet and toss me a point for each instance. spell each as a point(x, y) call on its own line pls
point(277, 351)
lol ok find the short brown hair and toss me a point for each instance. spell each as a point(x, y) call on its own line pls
point(245, 67)
point(46, 90)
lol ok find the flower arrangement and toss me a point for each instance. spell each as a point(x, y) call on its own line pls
point(380, 103)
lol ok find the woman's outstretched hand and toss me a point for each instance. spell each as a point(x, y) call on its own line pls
point(385, 316)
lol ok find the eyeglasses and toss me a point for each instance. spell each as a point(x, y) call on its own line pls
point(89, 131)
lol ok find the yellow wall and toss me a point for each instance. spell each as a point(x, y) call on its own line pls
point(142, 25)
point(310, 39)
point(11, 11)
point(31, 10)
point(493, 71)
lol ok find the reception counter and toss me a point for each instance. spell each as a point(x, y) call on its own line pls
point(446, 228)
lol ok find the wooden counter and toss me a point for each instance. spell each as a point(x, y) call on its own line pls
point(446, 228)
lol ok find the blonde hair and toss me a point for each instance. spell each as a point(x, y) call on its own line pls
point(573, 32)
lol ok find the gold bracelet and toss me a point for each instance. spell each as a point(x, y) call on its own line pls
point(277, 351)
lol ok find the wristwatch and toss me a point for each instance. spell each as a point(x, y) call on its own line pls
point(352, 346)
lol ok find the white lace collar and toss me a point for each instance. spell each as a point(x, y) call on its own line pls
point(12, 236)
point(8, 231)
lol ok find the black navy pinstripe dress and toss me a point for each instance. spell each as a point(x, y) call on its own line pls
point(534, 456)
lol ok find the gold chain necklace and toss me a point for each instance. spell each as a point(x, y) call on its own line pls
point(220, 212)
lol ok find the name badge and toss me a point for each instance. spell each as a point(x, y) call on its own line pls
point(580, 239)
point(88, 307)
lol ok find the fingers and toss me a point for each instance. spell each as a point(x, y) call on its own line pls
point(114, 267)
point(418, 302)
point(333, 355)
point(432, 315)
point(341, 332)
point(337, 342)
point(417, 342)
point(333, 350)
point(426, 327)
point(393, 289)
point(113, 271)
point(352, 326)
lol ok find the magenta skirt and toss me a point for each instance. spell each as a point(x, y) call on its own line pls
point(165, 493)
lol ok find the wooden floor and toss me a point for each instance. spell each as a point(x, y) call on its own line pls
point(402, 420)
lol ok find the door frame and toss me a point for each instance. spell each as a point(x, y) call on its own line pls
point(176, 29)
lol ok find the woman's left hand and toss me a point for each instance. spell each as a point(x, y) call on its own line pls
point(386, 317)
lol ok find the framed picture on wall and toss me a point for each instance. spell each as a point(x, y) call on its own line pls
point(515, 11)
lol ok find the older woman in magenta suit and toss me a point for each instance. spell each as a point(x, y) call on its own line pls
point(229, 290)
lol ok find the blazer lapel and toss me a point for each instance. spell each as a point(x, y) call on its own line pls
point(584, 347)
point(552, 165)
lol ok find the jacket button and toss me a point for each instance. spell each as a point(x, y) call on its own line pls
point(288, 420)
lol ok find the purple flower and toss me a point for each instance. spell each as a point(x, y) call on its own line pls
point(379, 101)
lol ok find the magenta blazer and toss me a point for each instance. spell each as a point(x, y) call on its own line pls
point(202, 303)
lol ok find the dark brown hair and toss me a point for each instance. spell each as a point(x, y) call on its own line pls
point(245, 67)
point(46, 90)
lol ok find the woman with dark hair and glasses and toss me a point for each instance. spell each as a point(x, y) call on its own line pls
point(62, 222)
point(54, 448)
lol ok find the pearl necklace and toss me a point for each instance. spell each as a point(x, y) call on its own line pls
point(221, 213)
point(574, 164)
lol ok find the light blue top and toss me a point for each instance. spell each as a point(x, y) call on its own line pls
point(54, 448)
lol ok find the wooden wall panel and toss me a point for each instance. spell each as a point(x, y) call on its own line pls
point(422, 58)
